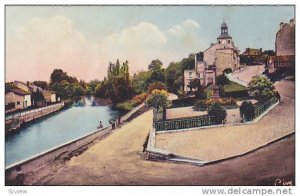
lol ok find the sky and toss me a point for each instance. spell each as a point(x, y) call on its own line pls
point(82, 40)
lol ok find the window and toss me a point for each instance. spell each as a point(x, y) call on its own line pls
point(190, 74)
point(228, 41)
point(219, 42)
point(18, 102)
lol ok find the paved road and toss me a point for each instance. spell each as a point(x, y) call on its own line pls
point(117, 160)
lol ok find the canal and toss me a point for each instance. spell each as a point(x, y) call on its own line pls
point(55, 130)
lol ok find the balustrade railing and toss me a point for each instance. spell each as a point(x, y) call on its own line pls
point(183, 123)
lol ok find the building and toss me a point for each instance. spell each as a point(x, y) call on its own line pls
point(285, 49)
point(49, 96)
point(208, 64)
point(222, 54)
point(285, 39)
point(17, 98)
point(251, 56)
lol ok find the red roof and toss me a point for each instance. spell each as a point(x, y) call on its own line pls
point(281, 59)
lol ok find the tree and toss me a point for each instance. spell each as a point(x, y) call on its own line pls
point(188, 63)
point(247, 110)
point(155, 64)
point(58, 75)
point(140, 81)
point(261, 87)
point(157, 75)
point(193, 84)
point(217, 112)
point(37, 96)
point(158, 99)
point(42, 84)
point(222, 80)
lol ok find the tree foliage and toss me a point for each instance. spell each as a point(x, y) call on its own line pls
point(217, 111)
point(261, 87)
point(158, 99)
point(222, 80)
point(247, 110)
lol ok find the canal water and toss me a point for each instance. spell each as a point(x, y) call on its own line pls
point(55, 130)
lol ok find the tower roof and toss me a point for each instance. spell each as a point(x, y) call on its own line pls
point(224, 25)
point(224, 31)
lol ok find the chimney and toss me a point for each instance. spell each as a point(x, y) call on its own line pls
point(260, 50)
point(292, 22)
point(281, 25)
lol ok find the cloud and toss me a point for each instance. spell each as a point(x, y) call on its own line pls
point(43, 44)
point(145, 41)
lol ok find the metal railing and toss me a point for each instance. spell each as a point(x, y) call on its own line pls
point(262, 108)
point(184, 123)
point(23, 113)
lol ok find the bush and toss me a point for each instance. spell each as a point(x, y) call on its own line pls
point(227, 70)
point(222, 80)
point(138, 99)
point(125, 106)
point(247, 110)
point(157, 85)
point(201, 104)
point(217, 112)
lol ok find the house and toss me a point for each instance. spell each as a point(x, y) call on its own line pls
point(285, 49)
point(251, 56)
point(213, 61)
point(49, 96)
point(17, 98)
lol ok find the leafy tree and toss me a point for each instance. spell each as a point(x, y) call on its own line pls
point(261, 87)
point(188, 63)
point(193, 84)
point(200, 94)
point(217, 111)
point(37, 96)
point(222, 80)
point(157, 75)
point(155, 64)
point(42, 84)
point(140, 81)
point(158, 99)
point(247, 110)
point(58, 75)
point(92, 85)
point(78, 91)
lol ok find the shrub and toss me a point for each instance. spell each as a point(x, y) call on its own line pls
point(222, 80)
point(247, 110)
point(158, 99)
point(125, 106)
point(157, 85)
point(217, 112)
point(227, 70)
point(138, 99)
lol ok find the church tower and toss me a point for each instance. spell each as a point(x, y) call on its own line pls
point(224, 37)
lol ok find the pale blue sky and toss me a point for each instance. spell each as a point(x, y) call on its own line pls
point(169, 33)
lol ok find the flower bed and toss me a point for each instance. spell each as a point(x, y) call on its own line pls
point(202, 105)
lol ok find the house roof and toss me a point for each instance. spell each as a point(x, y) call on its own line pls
point(252, 51)
point(281, 59)
point(19, 91)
